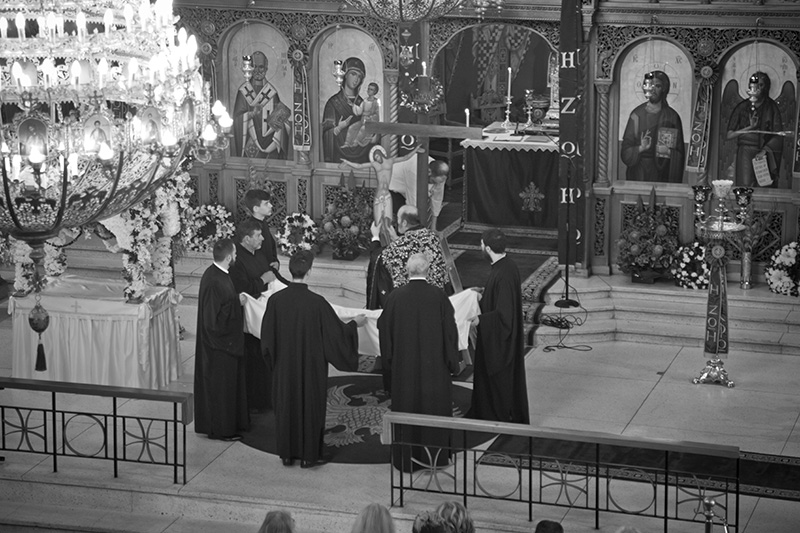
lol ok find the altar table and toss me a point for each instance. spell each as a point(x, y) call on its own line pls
point(502, 171)
point(465, 304)
point(95, 337)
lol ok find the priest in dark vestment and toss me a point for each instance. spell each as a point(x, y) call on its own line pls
point(388, 271)
point(220, 400)
point(301, 334)
point(499, 387)
point(251, 274)
point(419, 346)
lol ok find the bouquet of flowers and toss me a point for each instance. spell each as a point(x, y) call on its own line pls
point(299, 232)
point(783, 272)
point(205, 225)
point(345, 224)
point(649, 241)
point(691, 270)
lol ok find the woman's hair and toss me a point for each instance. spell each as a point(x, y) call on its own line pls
point(455, 514)
point(277, 522)
point(374, 518)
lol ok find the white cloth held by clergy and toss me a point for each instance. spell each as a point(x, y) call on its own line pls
point(465, 304)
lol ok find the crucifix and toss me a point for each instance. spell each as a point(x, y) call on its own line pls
point(423, 131)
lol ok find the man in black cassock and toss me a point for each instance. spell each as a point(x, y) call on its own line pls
point(259, 203)
point(499, 390)
point(300, 335)
point(220, 401)
point(251, 274)
point(419, 343)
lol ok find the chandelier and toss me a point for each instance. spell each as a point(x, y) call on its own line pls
point(100, 102)
point(405, 11)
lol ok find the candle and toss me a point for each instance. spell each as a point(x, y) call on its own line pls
point(466, 112)
point(509, 82)
point(424, 71)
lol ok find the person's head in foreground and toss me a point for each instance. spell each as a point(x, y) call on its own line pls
point(457, 516)
point(277, 522)
point(430, 522)
point(300, 263)
point(374, 518)
point(548, 526)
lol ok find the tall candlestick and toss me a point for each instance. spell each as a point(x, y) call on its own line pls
point(466, 112)
point(424, 71)
point(509, 82)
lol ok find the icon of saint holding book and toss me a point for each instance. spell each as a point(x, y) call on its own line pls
point(652, 145)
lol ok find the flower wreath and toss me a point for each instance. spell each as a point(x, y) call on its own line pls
point(205, 225)
point(783, 271)
point(412, 101)
point(691, 270)
point(299, 232)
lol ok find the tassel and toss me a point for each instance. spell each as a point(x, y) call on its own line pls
point(41, 364)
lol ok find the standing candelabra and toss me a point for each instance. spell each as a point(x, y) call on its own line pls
point(744, 198)
point(507, 121)
point(716, 230)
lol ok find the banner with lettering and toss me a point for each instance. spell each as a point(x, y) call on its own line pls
point(301, 124)
point(570, 176)
point(701, 121)
point(716, 341)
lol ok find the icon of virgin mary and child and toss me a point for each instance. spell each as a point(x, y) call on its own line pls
point(345, 111)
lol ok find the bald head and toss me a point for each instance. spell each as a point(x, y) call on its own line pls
point(418, 265)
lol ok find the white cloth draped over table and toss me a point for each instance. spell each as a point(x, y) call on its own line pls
point(465, 304)
point(95, 337)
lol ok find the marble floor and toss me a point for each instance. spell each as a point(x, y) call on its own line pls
point(620, 388)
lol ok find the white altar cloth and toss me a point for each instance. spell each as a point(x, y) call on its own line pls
point(465, 304)
point(95, 337)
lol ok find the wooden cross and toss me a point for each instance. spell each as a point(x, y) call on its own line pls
point(423, 131)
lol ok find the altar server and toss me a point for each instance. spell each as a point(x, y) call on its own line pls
point(220, 400)
point(499, 391)
point(301, 334)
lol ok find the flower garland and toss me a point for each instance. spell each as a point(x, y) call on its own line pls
point(23, 266)
point(691, 270)
point(205, 225)
point(299, 232)
point(783, 272)
point(422, 103)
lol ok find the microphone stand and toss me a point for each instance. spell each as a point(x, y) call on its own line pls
point(565, 302)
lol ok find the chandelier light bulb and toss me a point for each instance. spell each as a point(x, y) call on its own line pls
point(108, 20)
point(209, 135)
point(225, 122)
point(127, 12)
point(36, 157)
point(105, 153)
point(80, 23)
point(3, 28)
point(19, 21)
point(217, 109)
point(168, 139)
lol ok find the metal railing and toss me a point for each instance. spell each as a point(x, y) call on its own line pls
point(671, 479)
point(58, 432)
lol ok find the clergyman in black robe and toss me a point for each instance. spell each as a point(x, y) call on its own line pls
point(301, 334)
point(251, 274)
point(259, 203)
point(499, 389)
point(220, 400)
point(419, 343)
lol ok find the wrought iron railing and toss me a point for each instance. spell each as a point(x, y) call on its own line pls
point(124, 438)
point(672, 480)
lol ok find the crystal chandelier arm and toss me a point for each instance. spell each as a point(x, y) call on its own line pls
point(63, 204)
point(9, 201)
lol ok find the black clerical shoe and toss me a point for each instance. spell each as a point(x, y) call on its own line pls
point(287, 461)
point(229, 438)
point(325, 459)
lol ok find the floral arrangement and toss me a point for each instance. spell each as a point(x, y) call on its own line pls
point(783, 272)
point(691, 270)
point(205, 225)
point(347, 219)
point(647, 243)
point(298, 232)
